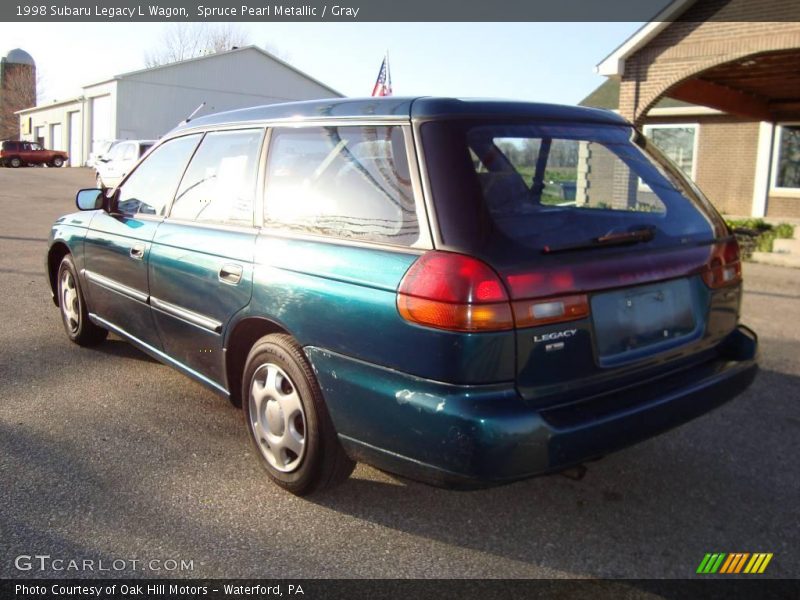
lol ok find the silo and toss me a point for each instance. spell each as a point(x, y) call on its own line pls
point(17, 90)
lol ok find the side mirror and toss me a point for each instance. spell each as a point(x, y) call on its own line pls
point(90, 199)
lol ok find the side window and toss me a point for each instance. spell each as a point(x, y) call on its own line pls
point(349, 182)
point(152, 185)
point(129, 153)
point(220, 183)
point(116, 152)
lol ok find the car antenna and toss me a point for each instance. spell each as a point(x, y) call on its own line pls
point(194, 112)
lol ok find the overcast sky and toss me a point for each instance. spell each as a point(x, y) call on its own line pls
point(549, 62)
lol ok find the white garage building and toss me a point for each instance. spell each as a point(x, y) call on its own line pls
point(147, 104)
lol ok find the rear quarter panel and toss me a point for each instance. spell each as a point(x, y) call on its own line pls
point(343, 299)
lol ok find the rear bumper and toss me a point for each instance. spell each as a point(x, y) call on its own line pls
point(473, 436)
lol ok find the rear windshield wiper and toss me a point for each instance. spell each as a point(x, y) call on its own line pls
point(610, 239)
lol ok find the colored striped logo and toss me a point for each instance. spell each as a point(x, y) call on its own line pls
point(737, 562)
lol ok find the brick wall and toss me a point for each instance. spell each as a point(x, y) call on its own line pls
point(685, 49)
point(726, 159)
point(727, 152)
point(714, 32)
point(779, 206)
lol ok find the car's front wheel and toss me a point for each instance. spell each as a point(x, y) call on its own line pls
point(57, 162)
point(74, 313)
point(288, 421)
point(15, 162)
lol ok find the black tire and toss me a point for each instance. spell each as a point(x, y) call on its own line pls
point(57, 162)
point(14, 162)
point(322, 463)
point(70, 296)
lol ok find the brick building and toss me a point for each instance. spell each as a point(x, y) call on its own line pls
point(716, 84)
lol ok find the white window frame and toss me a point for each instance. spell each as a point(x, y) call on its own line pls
point(774, 189)
point(695, 146)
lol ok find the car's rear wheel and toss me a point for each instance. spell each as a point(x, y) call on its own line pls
point(57, 162)
point(74, 313)
point(15, 162)
point(288, 421)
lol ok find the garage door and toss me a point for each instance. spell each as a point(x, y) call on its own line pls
point(101, 121)
point(56, 136)
point(75, 139)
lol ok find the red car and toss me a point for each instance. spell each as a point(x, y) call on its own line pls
point(19, 154)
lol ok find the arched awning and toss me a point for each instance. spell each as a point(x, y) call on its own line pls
point(763, 86)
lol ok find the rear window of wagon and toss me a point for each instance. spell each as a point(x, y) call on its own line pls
point(511, 188)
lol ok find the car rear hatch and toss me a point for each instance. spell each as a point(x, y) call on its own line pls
point(617, 268)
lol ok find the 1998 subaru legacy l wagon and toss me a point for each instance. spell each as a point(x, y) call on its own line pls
point(462, 292)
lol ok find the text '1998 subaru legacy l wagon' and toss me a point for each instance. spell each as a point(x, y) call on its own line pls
point(462, 292)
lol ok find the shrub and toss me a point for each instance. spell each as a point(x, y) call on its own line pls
point(756, 235)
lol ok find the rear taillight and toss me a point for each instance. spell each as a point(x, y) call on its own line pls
point(454, 292)
point(725, 266)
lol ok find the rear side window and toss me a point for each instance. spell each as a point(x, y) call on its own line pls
point(220, 183)
point(347, 182)
point(505, 190)
point(149, 189)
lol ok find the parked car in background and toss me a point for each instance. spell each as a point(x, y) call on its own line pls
point(20, 154)
point(392, 280)
point(103, 148)
point(113, 166)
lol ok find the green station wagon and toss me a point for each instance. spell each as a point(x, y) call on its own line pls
point(461, 292)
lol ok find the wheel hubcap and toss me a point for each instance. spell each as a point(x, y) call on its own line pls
point(277, 418)
point(70, 303)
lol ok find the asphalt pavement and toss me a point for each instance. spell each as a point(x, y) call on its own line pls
point(107, 455)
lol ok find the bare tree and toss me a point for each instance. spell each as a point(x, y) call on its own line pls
point(181, 41)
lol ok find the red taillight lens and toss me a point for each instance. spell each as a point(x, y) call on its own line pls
point(454, 292)
point(725, 266)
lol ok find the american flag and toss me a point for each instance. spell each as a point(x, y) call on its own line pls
point(383, 85)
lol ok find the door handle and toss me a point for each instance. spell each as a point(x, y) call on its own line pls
point(137, 252)
point(230, 274)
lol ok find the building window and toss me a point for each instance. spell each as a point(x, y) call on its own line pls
point(678, 142)
point(786, 167)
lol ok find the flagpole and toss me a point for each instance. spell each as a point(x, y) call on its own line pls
point(388, 73)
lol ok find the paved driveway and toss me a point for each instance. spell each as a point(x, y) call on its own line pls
point(106, 454)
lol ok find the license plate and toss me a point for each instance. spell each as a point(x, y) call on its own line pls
point(630, 320)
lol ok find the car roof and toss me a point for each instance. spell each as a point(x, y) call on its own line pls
point(408, 108)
